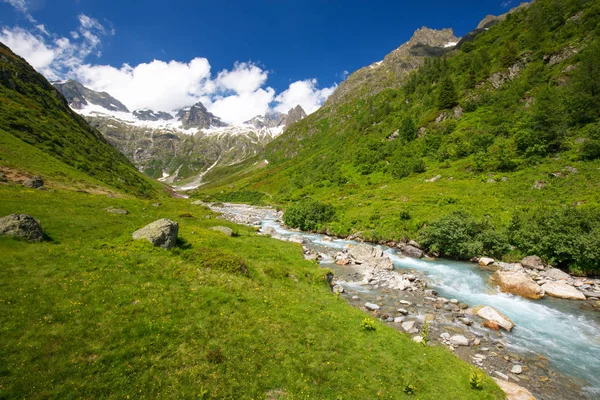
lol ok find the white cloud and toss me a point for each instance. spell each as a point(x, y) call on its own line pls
point(158, 85)
point(234, 95)
point(306, 93)
point(55, 56)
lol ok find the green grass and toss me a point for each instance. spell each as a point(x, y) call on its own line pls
point(93, 314)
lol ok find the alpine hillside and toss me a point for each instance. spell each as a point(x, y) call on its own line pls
point(485, 145)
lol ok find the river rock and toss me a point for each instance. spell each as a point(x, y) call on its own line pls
point(517, 369)
point(591, 294)
point(485, 261)
point(491, 314)
point(513, 391)
point(459, 340)
point(380, 264)
point(161, 233)
point(35, 183)
point(297, 239)
point(372, 307)
point(562, 290)
point(518, 283)
point(363, 253)
point(557, 274)
point(414, 244)
point(114, 210)
point(412, 251)
point(408, 325)
point(270, 231)
point(23, 226)
point(532, 262)
point(338, 289)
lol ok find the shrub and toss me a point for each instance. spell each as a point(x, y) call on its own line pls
point(476, 380)
point(459, 235)
point(308, 215)
point(567, 237)
point(368, 324)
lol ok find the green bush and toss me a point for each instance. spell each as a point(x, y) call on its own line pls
point(368, 324)
point(567, 237)
point(459, 235)
point(308, 215)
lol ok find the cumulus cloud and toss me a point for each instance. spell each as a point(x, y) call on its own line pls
point(306, 93)
point(51, 55)
point(235, 94)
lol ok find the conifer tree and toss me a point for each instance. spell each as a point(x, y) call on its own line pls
point(447, 97)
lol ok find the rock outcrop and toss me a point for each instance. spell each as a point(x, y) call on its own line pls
point(23, 226)
point(161, 233)
point(518, 283)
point(80, 96)
point(35, 182)
point(562, 290)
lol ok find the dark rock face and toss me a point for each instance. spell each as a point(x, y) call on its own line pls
point(149, 115)
point(79, 96)
point(294, 115)
point(197, 116)
point(35, 183)
point(23, 226)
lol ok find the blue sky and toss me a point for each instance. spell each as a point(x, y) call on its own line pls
point(278, 43)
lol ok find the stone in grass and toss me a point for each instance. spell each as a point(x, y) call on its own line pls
point(223, 229)
point(114, 210)
point(35, 183)
point(161, 233)
point(23, 226)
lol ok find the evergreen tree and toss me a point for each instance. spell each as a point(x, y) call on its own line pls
point(408, 130)
point(447, 97)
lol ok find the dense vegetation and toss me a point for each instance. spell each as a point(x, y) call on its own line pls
point(508, 121)
point(308, 215)
point(93, 314)
point(34, 112)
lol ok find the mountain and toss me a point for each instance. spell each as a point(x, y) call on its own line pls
point(41, 135)
point(178, 148)
point(503, 130)
point(197, 116)
point(79, 97)
point(393, 69)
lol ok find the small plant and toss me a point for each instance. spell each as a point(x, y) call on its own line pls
point(368, 324)
point(404, 215)
point(425, 334)
point(476, 380)
point(409, 389)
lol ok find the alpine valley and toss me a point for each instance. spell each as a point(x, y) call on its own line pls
point(430, 231)
point(176, 147)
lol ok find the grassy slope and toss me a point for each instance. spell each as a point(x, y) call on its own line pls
point(93, 314)
point(342, 156)
point(34, 112)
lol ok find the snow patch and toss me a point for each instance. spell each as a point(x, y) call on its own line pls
point(450, 44)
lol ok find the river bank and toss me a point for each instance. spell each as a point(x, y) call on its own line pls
point(551, 351)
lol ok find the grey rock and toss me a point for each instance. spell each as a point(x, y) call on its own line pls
point(408, 325)
point(517, 369)
point(380, 264)
point(35, 183)
point(161, 233)
point(222, 229)
point(363, 253)
point(434, 179)
point(3, 177)
point(79, 96)
point(501, 375)
point(197, 116)
point(296, 239)
point(557, 274)
point(411, 251)
point(532, 262)
point(372, 307)
point(403, 311)
point(459, 340)
point(113, 210)
point(23, 226)
point(149, 115)
point(338, 289)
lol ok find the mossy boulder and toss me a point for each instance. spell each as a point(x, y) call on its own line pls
point(23, 226)
point(161, 233)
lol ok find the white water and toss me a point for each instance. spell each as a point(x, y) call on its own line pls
point(556, 329)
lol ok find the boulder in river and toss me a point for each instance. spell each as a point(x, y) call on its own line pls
point(412, 251)
point(518, 283)
point(363, 253)
point(380, 264)
point(491, 314)
point(23, 226)
point(532, 262)
point(557, 274)
point(459, 340)
point(485, 261)
point(513, 391)
point(562, 290)
point(297, 239)
point(161, 233)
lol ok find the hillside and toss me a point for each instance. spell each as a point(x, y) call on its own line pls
point(503, 127)
point(37, 115)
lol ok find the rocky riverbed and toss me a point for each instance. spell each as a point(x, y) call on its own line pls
point(380, 281)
